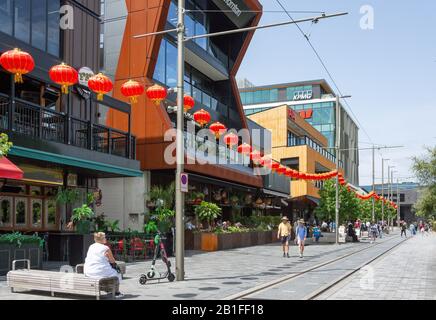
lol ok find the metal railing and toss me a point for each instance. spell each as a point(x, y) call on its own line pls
point(33, 120)
point(131, 247)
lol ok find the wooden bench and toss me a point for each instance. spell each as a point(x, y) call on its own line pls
point(59, 282)
point(121, 265)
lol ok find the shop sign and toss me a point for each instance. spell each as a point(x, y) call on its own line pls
point(236, 10)
point(291, 114)
point(306, 114)
point(303, 95)
point(84, 74)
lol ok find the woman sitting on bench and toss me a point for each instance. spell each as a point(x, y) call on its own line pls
point(100, 262)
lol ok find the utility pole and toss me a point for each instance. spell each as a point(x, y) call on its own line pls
point(337, 168)
point(373, 182)
point(180, 145)
point(398, 201)
point(383, 190)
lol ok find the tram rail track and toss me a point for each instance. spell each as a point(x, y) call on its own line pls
point(282, 280)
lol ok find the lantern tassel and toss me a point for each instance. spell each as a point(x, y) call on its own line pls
point(100, 96)
point(133, 99)
point(65, 89)
point(18, 78)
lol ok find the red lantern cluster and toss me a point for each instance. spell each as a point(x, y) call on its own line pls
point(132, 90)
point(18, 63)
point(244, 148)
point(64, 75)
point(217, 129)
point(202, 117)
point(231, 139)
point(101, 85)
point(255, 156)
point(188, 103)
point(156, 93)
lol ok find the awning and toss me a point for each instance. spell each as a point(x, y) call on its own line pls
point(275, 193)
point(8, 170)
point(306, 198)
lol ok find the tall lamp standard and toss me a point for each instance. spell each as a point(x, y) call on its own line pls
point(383, 190)
point(337, 147)
point(390, 186)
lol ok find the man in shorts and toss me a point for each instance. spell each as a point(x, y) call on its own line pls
point(284, 234)
point(301, 234)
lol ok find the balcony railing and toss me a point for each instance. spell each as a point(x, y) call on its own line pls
point(36, 121)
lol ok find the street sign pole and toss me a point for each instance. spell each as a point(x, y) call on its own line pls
point(180, 148)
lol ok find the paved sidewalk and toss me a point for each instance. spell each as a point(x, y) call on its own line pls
point(217, 275)
point(406, 273)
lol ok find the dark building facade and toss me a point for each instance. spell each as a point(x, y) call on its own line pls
point(59, 140)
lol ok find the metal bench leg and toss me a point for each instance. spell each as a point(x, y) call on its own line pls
point(12, 290)
point(52, 294)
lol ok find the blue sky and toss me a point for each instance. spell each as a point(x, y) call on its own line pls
point(390, 70)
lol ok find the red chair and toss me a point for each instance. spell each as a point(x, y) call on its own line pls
point(137, 247)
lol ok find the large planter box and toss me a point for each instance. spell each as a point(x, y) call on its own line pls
point(9, 253)
point(225, 241)
point(78, 245)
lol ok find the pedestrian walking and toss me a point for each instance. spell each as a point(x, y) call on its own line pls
point(403, 229)
point(284, 234)
point(412, 229)
point(373, 230)
point(301, 234)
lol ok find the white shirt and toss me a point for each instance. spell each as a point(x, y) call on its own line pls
point(97, 264)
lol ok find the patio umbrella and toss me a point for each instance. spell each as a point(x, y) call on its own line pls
point(8, 170)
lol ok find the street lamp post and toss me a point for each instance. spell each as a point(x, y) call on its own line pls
point(180, 148)
point(337, 147)
point(390, 187)
point(383, 190)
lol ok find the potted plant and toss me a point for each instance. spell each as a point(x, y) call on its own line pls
point(81, 218)
point(26, 246)
point(208, 212)
point(199, 197)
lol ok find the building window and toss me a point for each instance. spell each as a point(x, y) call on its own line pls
point(402, 197)
point(6, 16)
point(33, 22)
point(292, 139)
point(5, 211)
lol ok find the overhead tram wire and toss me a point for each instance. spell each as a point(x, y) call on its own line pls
point(253, 11)
point(325, 67)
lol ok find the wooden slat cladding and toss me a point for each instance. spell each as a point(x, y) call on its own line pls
point(81, 46)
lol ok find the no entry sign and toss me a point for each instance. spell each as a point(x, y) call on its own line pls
point(184, 182)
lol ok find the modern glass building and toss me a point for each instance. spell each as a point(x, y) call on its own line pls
point(314, 101)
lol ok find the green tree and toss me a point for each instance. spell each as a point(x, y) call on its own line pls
point(5, 145)
point(349, 206)
point(425, 170)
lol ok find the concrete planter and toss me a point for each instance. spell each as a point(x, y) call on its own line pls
point(224, 241)
point(9, 252)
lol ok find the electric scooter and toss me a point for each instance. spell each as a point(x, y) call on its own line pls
point(153, 274)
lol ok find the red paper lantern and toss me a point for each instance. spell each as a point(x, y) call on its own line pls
point(266, 161)
point(289, 172)
point(18, 63)
point(281, 169)
point(188, 103)
point(202, 117)
point(244, 148)
point(275, 165)
point(231, 139)
point(64, 75)
point(255, 156)
point(217, 129)
point(132, 89)
point(302, 176)
point(101, 85)
point(156, 93)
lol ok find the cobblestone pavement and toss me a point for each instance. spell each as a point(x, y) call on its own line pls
point(218, 275)
point(406, 273)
